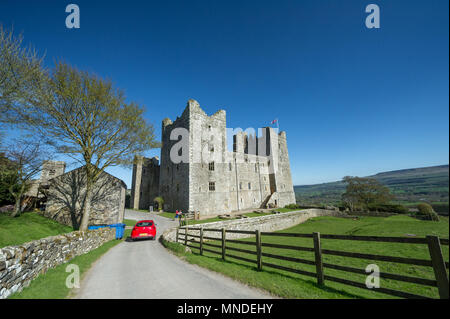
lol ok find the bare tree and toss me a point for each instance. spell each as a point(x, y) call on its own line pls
point(21, 71)
point(79, 114)
point(24, 163)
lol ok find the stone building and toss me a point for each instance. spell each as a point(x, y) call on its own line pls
point(210, 179)
point(64, 196)
point(34, 197)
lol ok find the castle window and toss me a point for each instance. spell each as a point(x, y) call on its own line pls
point(230, 166)
point(256, 168)
point(249, 185)
point(264, 178)
point(246, 159)
point(265, 187)
point(211, 166)
point(240, 185)
point(212, 186)
point(209, 127)
point(178, 167)
point(200, 189)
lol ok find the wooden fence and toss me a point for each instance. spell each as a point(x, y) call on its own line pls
point(434, 243)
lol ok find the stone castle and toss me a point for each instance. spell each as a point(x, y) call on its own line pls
point(210, 179)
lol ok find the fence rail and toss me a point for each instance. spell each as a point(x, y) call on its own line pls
point(434, 243)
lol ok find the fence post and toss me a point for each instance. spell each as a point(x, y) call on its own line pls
point(258, 249)
point(201, 241)
point(185, 235)
point(440, 272)
point(223, 243)
point(318, 255)
point(178, 229)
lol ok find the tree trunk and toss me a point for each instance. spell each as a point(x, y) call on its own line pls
point(18, 204)
point(87, 208)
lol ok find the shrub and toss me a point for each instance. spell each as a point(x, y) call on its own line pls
point(388, 208)
point(292, 206)
point(440, 208)
point(427, 212)
point(160, 202)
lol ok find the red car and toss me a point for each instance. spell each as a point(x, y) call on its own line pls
point(144, 229)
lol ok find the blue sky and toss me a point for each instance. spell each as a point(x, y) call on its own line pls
point(352, 100)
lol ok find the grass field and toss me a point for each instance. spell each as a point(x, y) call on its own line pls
point(289, 285)
point(27, 227)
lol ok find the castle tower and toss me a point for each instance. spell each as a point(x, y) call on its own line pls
point(198, 173)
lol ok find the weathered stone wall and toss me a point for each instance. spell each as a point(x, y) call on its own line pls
point(268, 223)
point(66, 199)
point(19, 265)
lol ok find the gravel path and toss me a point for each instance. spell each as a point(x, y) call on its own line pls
point(145, 269)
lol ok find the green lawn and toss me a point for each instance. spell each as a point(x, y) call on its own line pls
point(289, 285)
point(28, 227)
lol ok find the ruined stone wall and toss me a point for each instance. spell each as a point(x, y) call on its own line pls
point(19, 265)
point(145, 182)
point(66, 199)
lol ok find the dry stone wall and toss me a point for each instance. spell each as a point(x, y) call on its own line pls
point(19, 265)
point(268, 223)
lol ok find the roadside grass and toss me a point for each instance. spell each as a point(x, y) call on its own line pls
point(167, 215)
point(130, 222)
point(27, 227)
point(290, 285)
point(52, 284)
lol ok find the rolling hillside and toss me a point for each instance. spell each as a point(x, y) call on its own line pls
point(426, 184)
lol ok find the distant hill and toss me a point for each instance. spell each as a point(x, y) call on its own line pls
point(426, 184)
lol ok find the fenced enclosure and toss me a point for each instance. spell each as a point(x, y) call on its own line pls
point(264, 250)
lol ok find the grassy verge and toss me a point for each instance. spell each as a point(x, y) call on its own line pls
point(28, 227)
point(289, 285)
point(52, 284)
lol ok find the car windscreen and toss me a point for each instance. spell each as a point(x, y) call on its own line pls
point(144, 224)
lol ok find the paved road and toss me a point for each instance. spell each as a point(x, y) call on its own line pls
point(145, 269)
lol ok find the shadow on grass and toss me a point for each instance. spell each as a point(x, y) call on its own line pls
point(179, 250)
